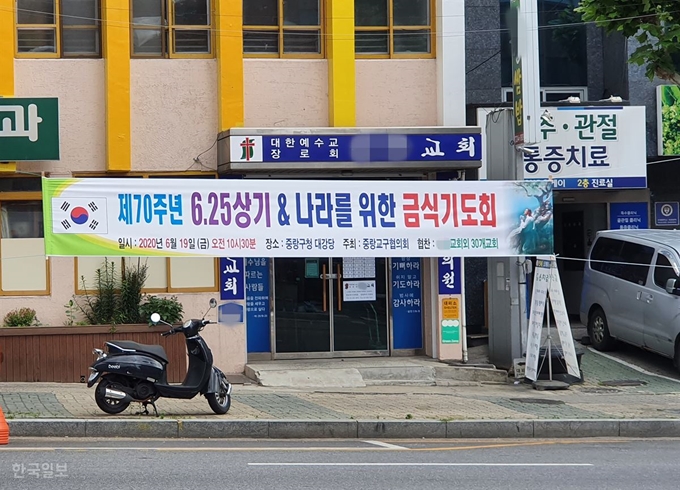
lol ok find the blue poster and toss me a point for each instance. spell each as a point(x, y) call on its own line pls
point(449, 275)
point(232, 279)
point(407, 313)
point(628, 216)
point(257, 305)
point(667, 214)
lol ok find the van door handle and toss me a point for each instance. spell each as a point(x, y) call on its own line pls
point(639, 295)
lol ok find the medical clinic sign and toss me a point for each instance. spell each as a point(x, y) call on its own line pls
point(29, 129)
point(591, 147)
point(262, 218)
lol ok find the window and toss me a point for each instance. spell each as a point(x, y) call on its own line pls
point(23, 268)
point(562, 45)
point(393, 28)
point(625, 260)
point(58, 28)
point(172, 28)
point(165, 274)
point(663, 271)
point(282, 28)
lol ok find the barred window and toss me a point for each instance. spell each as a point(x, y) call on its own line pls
point(58, 28)
point(282, 28)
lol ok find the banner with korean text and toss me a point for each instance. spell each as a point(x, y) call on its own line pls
point(279, 218)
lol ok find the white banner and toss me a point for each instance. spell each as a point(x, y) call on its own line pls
point(547, 285)
point(272, 218)
point(586, 147)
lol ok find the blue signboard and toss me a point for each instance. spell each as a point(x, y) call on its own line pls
point(407, 313)
point(449, 275)
point(628, 216)
point(667, 214)
point(232, 279)
point(356, 148)
point(257, 305)
point(600, 183)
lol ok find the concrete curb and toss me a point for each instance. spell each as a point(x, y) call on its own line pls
point(343, 429)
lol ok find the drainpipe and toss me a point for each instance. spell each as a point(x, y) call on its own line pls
point(463, 323)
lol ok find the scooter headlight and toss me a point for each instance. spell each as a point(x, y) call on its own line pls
point(187, 324)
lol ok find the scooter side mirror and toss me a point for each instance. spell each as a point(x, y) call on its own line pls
point(155, 318)
point(213, 302)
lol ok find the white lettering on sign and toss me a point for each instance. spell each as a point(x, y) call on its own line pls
point(20, 130)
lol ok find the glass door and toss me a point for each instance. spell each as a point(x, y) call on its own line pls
point(331, 307)
point(359, 320)
point(301, 296)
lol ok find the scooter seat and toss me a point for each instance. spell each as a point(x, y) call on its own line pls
point(154, 350)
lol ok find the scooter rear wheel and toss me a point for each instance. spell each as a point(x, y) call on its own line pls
point(219, 402)
point(109, 405)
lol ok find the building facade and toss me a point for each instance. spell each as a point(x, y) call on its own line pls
point(146, 88)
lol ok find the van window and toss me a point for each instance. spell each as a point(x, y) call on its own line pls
point(634, 253)
point(625, 260)
point(663, 271)
point(606, 257)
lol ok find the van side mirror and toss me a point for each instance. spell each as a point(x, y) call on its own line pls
point(671, 287)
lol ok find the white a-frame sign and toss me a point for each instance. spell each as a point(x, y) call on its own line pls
point(547, 285)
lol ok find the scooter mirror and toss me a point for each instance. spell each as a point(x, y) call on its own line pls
point(155, 318)
point(213, 302)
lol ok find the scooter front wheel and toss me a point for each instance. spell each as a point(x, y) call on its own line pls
point(109, 405)
point(219, 402)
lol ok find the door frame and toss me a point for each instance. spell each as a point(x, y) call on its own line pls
point(332, 353)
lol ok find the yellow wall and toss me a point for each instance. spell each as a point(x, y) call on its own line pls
point(116, 14)
point(341, 64)
point(7, 59)
point(229, 43)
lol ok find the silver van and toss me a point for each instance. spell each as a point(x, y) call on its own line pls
point(631, 291)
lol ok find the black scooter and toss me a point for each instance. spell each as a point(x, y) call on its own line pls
point(132, 372)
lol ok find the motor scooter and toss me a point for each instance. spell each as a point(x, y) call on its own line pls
point(132, 372)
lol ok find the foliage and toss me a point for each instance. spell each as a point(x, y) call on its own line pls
point(100, 308)
point(21, 317)
point(70, 312)
point(655, 24)
point(117, 298)
point(170, 309)
point(131, 294)
point(670, 111)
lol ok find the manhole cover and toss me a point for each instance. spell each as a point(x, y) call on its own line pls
point(538, 401)
point(623, 382)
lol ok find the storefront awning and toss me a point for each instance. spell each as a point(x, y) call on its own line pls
point(423, 149)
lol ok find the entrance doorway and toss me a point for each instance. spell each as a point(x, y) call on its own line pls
point(329, 307)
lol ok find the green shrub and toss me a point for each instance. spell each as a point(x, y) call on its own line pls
point(170, 309)
point(118, 297)
point(21, 317)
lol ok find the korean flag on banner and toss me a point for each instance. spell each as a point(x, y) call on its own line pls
point(80, 215)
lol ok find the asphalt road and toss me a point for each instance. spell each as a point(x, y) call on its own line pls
point(329, 465)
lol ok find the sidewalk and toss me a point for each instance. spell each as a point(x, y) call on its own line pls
point(614, 400)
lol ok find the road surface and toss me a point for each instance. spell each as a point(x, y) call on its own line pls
point(339, 464)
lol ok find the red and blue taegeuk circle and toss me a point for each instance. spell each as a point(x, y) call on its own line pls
point(79, 215)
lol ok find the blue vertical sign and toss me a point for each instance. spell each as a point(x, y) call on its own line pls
point(449, 275)
point(666, 214)
point(232, 279)
point(257, 305)
point(407, 313)
point(628, 216)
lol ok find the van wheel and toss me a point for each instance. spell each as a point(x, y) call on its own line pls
point(598, 331)
point(676, 358)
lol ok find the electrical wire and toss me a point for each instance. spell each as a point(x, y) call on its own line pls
point(292, 31)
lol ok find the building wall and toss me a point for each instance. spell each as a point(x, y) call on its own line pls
point(285, 93)
point(396, 93)
point(482, 51)
point(80, 86)
point(174, 113)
